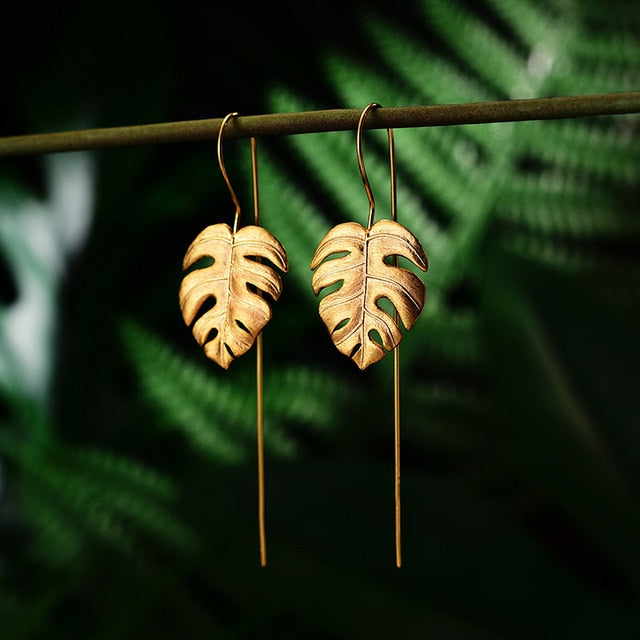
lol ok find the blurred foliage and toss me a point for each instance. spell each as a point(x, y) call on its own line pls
point(127, 460)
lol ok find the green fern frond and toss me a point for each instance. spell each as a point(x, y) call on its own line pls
point(600, 17)
point(446, 337)
point(299, 233)
point(620, 49)
point(420, 70)
point(117, 471)
point(574, 218)
point(560, 52)
point(425, 155)
point(493, 59)
point(70, 497)
point(588, 78)
point(584, 147)
point(331, 160)
point(212, 413)
point(302, 394)
point(58, 537)
point(552, 186)
point(427, 159)
point(434, 80)
point(196, 402)
point(533, 26)
point(552, 252)
point(541, 188)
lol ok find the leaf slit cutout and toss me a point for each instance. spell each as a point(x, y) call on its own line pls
point(206, 305)
point(236, 280)
point(243, 327)
point(351, 312)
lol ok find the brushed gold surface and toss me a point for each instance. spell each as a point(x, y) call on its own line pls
point(234, 283)
point(355, 257)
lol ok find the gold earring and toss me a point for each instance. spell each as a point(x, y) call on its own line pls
point(233, 281)
point(364, 265)
point(359, 327)
point(223, 300)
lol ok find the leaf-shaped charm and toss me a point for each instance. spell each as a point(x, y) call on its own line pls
point(351, 313)
point(233, 283)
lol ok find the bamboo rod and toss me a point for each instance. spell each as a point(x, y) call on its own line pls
point(281, 124)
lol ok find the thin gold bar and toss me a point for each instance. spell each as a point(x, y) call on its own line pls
point(260, 436)
point(282, 124)
point(259, 381)
point(396, 369)
point(396, 433)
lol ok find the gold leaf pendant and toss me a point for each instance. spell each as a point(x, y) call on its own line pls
point(351, 313)
point(222, 302)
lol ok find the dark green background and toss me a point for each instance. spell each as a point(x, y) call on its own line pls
point(521, 446)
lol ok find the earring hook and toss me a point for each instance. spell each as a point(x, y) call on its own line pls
point(363, 171)
point(224, 171)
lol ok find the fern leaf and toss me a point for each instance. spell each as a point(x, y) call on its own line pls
point(584, 217)
point(559, 255)
point(477, 46)
point(422, 147)
point(58, 538)
point(421, 70)
point(582, 77)
point(301, 394)
point(599, 151)
point(117, 471)
point(69, 502)
point(212, 413)
point(619, 49)
point(431, 79)
point(330, 158)
point(451, 339)
point(546, 184)
point(535, 27)
point(195, 402)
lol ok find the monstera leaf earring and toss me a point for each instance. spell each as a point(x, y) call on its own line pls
point(232, 280)
point(223, 295)
point(363, 263)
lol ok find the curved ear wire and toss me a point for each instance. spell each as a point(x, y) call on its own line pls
point(224, 170)
point(363, 171)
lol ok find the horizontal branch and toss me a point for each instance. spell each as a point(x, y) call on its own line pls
point(282, 124)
